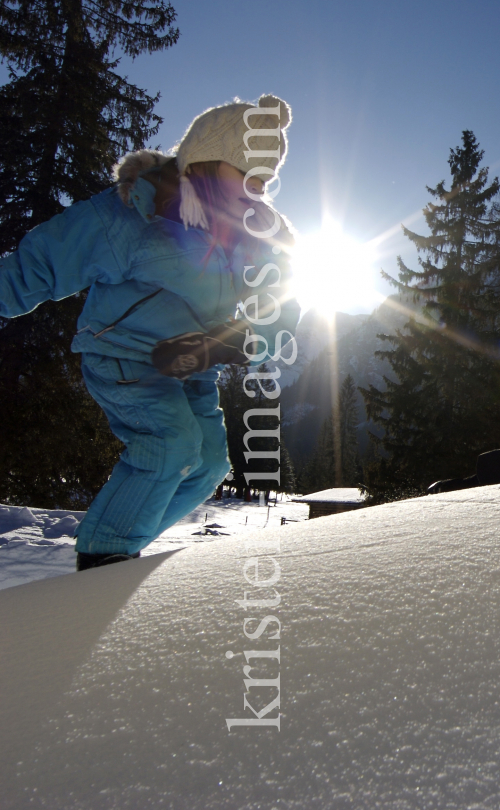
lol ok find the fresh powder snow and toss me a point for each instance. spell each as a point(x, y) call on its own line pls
point(128, 686)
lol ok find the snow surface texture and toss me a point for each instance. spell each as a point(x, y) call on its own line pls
point(116, 686)
point(38, 543)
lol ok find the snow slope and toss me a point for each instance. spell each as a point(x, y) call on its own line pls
point(116, 686)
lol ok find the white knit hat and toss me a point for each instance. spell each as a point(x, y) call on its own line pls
point(226, 133)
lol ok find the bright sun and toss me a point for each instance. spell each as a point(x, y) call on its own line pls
point(333, 272)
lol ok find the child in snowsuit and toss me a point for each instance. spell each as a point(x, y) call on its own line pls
point(169, 251)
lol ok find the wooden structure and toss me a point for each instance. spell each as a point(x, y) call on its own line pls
point(332, 501)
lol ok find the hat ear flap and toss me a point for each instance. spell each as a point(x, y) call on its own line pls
point(191, 210)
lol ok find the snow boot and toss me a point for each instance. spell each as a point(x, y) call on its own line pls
point(84, 561)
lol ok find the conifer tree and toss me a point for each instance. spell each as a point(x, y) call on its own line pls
point(443, 409)
point(66, 116)
point(348, 433)
point(321, 470)
point(236, 402)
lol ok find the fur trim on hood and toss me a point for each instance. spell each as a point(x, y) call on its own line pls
point(134, 164)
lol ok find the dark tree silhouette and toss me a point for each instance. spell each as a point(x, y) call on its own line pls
point(443, 409)
point(66, 116)
point(321, 471)
point(236, 403)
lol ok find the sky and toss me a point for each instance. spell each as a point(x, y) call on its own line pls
point(380, 92)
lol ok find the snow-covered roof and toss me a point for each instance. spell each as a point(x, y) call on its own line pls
point(336, 495)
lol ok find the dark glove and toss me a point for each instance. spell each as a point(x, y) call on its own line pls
point(188, 354)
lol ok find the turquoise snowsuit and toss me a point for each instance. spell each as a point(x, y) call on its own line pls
point(148, 281)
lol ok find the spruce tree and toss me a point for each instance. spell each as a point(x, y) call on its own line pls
point(321, 471)
point(236, 402)
point(66, 116)
point(442, 411)
point(348, 433)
